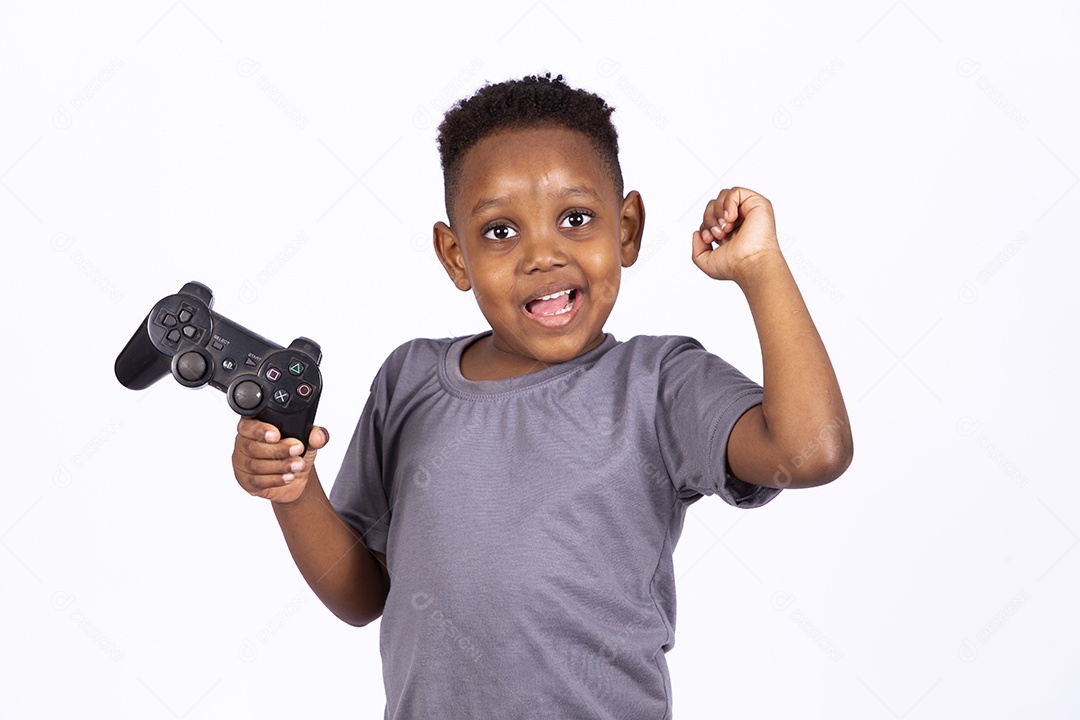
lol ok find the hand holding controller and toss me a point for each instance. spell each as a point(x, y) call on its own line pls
point(261, 379)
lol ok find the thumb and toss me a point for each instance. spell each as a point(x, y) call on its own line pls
point(318, 438)
point(700, 250)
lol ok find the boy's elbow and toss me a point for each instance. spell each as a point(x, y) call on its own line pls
point(829, 463)
point(358, 610)
point(358, 620)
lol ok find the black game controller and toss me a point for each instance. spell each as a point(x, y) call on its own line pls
point(261, 379)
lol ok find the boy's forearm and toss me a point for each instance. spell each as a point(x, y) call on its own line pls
point(334, 561)
point(803, 410)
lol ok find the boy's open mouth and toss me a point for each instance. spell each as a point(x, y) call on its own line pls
point(557, 303)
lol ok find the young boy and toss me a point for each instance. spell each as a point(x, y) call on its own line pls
point(510, 502)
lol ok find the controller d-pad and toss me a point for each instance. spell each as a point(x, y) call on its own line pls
point(168, 320)
point(281, 396)
point(190, 331)
point(173, 336)
point(186, 313)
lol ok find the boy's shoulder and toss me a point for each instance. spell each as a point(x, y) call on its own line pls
point(419, 350)
point(419, 358)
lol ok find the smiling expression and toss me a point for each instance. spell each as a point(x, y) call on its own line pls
point(540, 237)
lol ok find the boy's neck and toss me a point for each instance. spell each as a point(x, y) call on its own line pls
point(483, 361)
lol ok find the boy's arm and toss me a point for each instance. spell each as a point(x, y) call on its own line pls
point(348, 578)
point(800, 435)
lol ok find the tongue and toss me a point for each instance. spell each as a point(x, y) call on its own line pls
point(548, 307)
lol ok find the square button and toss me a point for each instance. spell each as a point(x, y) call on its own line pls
point(273, 374)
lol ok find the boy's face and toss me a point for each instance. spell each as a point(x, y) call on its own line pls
point(540, 237)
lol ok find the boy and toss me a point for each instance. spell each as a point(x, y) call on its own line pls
point(510, 502)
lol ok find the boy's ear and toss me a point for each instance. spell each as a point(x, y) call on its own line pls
point(632, 227)
point(450, 255)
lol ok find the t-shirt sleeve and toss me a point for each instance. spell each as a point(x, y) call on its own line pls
point(700, 398)
point(359, 493)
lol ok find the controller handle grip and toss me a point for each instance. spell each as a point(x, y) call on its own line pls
point(139, 365)
point(291, 426)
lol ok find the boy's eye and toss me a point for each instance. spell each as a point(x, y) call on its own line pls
point(577, 218)
point(499, 232)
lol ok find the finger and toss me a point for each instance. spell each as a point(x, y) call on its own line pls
point(260, 449)
point(262, 471)
point(257, 476)
point(258, 484)
point(721, 220)
point(722, 200)
point(257, 430)
point(708, 218)
point(713, 220)
point(737, 199)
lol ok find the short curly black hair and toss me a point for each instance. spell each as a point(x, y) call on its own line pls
point(532, 101)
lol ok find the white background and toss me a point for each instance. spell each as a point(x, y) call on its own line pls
point(923, 163)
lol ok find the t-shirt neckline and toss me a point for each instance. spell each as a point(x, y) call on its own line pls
point(452, 379)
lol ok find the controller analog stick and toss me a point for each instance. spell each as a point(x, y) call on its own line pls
point(191, 366)
point(247, 394)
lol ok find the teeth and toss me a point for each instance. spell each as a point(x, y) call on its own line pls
point(554, 295)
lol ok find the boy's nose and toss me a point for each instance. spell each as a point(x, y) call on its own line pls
point(542, 251)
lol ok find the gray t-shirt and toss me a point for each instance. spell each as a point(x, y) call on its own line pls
point(529, 523)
